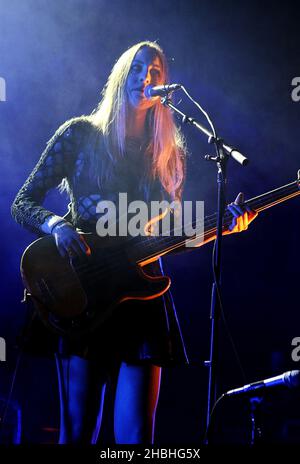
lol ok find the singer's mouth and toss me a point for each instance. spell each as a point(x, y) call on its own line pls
point(139, 89)
point(139, 93)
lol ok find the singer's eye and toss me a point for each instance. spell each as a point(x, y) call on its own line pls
point(136, 68)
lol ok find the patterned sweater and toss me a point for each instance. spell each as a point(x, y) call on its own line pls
point(66, 162)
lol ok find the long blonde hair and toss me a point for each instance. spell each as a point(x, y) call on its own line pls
point(166, 144)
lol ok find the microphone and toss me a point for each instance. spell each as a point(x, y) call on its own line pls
point(290, 379)
point(160, 90)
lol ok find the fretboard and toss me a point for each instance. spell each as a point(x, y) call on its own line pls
point(150, 248)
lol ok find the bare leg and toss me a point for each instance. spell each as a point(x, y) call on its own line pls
point(81, 390)
point(136, 399)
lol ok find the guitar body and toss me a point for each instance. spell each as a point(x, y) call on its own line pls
point(75, 296)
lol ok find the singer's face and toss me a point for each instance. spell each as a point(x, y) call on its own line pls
point(146, 69)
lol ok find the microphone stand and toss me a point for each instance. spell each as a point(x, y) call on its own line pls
point(223, 153)
point(256, 420)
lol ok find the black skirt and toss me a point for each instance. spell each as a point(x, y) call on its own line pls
point(137, 332)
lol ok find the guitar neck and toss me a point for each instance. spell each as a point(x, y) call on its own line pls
point(151, 248)
point(274, 197)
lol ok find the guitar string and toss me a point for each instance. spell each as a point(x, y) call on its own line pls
point(117, 253)
point(149, 241)
point(148, 245)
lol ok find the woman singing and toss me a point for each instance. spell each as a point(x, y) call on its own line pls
point(128, 144)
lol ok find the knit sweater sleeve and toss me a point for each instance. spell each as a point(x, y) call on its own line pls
point(56, 163)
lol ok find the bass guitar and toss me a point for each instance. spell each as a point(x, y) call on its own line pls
point(74, 296)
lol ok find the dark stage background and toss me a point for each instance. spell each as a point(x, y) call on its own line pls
point(238, 60)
